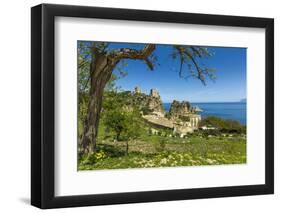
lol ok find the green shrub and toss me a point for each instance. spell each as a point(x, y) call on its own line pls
point(93, 158)
point(223, 125)
point(160, 145)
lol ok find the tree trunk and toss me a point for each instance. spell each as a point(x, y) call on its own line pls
point(101, 70)
point(127, 147)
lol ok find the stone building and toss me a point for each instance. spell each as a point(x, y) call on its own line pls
point(154, 93)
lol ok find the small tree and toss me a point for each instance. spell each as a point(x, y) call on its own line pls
point(132, 128)
point(126, 125)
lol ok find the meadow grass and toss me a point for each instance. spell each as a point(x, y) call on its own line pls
point(159, 151)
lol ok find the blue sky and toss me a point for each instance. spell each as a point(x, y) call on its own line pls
point(230, 85)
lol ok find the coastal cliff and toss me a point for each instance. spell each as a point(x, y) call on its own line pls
point(179, 108)
point(148, 104)
point(181, 118)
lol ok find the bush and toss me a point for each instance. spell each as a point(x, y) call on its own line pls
point(93, 158)
point(226, 126)
point(146, 111)
point(160, 145)
point(213, 132)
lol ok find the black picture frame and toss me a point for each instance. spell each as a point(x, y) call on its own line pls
point(43, 102)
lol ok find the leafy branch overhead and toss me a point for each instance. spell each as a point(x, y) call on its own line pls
point(189, 57)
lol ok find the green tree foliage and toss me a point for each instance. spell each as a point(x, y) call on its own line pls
point(82, 111)
point(121, 117)
point(125, 123)
point(229, 126)
point(84, 61)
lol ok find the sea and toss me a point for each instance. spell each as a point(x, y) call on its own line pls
point(228, 110)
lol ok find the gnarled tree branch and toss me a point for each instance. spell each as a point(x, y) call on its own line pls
point(182, 51)
point(128, 53)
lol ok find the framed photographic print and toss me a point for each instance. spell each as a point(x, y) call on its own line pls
point(139, 106)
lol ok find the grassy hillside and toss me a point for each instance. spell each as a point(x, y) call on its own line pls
point(159, 151)
point(125, 140)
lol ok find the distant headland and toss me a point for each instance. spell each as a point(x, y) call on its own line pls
point(243, 100)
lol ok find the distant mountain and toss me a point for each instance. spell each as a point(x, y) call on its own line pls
point(244, 100)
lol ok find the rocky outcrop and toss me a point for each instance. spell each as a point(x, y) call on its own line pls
point(155, 104)
point(196, 109)
point(179, 109)
point(149, 104)
point(182, 117)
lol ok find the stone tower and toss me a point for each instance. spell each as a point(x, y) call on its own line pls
point(137, 90)
point(154, 93)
